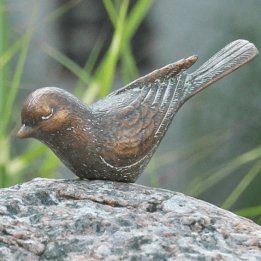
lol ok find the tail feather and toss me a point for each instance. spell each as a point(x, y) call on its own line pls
point(228, 59)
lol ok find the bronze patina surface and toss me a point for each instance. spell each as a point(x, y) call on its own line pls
point(114, 138)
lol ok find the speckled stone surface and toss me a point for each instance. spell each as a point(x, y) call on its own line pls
point(100, 220)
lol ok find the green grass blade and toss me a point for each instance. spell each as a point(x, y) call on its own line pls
point(49, 165)
point(243, 184)
point(92, 92)
point(112, 13)
point(249, 212)
point(62, 9)
point(152, 173)
point(104, 74)
point(193, 153)
point(130, 70)
point(4, 158)
point(11, 51)
point(197, 187)
point(17, 75)
point(67, 62)
point(3, 46)
point(111, 58)
point(136, 16)
point(196, 149)
point(139, 11)
point(21, 162)
point(89, 65)
point(16, 46)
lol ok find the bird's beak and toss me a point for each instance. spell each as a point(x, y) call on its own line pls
point(24, 132)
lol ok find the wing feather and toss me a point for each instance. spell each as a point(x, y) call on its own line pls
point(140, 112)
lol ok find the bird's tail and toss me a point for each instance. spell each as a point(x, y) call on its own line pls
point(228, 59)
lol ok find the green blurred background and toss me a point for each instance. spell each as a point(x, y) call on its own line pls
point(213, 148)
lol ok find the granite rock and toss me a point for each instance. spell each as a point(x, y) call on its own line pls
point(101, 220)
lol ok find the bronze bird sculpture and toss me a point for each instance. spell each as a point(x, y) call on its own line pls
point(115, 138)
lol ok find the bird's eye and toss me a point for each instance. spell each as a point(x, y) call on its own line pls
point(48, 116)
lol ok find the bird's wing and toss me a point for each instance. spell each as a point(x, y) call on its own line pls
point(134, 118)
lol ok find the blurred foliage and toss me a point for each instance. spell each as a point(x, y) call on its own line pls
point(37, 160)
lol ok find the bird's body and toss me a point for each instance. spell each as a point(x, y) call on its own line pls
point(115, 138)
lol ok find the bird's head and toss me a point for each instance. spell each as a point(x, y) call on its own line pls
point(46, 111)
